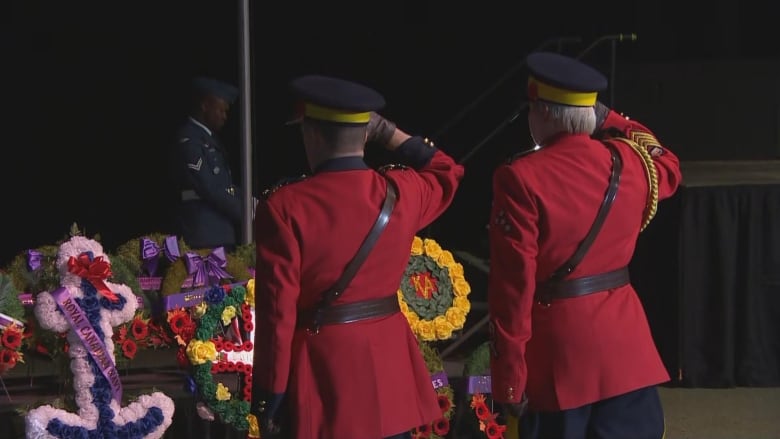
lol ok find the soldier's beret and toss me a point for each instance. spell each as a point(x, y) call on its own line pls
point(210, 86)
point(563, 80)
point(335, 100)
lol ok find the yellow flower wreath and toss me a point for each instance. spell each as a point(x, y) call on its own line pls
point(434, 292)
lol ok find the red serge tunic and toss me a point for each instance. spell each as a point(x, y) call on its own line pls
point(578, 350)
point(358, 380)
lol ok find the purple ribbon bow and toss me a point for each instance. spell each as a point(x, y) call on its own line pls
point(34, 259)
point(211, 267)
point(150, 253)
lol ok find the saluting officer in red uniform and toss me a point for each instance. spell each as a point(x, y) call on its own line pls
point(571, 342)
point(339, 354)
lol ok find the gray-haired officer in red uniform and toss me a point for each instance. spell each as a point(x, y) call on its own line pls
point(573, 355)
point(340, 355)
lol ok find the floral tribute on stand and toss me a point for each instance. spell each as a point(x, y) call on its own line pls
point(87, 307)
point(214, 327)
point(439, 428)
point(12, 330)
point(484, 421)
point(433, 294)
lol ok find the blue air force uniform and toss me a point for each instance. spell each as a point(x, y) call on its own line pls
point(209, 212)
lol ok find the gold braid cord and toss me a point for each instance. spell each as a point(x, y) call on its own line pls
point(642, 142)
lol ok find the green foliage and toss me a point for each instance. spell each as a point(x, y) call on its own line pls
point(130, 252)
point(246, 254)
point(177, 272)
point(122, 274)
point(478, 362)
point(46, 278)
point(10, 304)
point(441, 299)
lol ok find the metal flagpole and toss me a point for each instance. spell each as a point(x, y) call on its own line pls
point(246, 121)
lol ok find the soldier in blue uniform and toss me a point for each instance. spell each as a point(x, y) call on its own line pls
point(209, 209)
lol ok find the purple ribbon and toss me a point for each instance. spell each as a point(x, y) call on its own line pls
point(92, 342)
point(27, 299)
point(439, 379)
point(6, 320)
point(34, 259)
point(171, 248)
point(479, 384)
point(190, 298)
point(150, 253)
point(210, 268)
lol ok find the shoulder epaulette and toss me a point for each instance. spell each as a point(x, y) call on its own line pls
point(523, 154)
point(282, 183)
point(390, 167)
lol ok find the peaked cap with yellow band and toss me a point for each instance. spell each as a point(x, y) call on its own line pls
point(563, 80)
point(335, 100)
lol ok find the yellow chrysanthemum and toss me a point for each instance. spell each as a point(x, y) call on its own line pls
point(456, 271)
point(249, 299)
point(417, 246)
point(200, 352)
point(426, 330)
point(461, 288)
point(200, 309)
point(228, 314)
point(432, 248)
point(445, 259)
point(443, 328)
point(222, 393)
point(254, 427)
point(456, 317)
point(462, 303)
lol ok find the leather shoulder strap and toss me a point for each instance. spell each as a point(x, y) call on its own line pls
point(365, 248)
point(614, 181)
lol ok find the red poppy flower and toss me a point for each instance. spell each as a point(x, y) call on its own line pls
point(8, 358)
point(441, 426)
point(231, 366)
point(12, 338)
point(187, 332)
point(494, 431)
point(120, 335)
point(139, 329)
point(249, 326)
point(444, 403)
point(178, 320)
point(423, 431)
point(482, 411)
point(248, 346)
point(129, 348)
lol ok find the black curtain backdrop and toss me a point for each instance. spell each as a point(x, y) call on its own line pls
point(730, 286)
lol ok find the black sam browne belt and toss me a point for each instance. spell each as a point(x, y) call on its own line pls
point(351, 312)
point(568, 288)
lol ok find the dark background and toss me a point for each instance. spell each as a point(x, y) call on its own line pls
point(93, 93)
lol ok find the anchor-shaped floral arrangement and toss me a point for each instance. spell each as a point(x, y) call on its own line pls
point(88, 308)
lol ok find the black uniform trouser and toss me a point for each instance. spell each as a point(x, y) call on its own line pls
point(635, 415)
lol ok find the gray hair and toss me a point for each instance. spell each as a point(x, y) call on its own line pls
point(573, 120)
